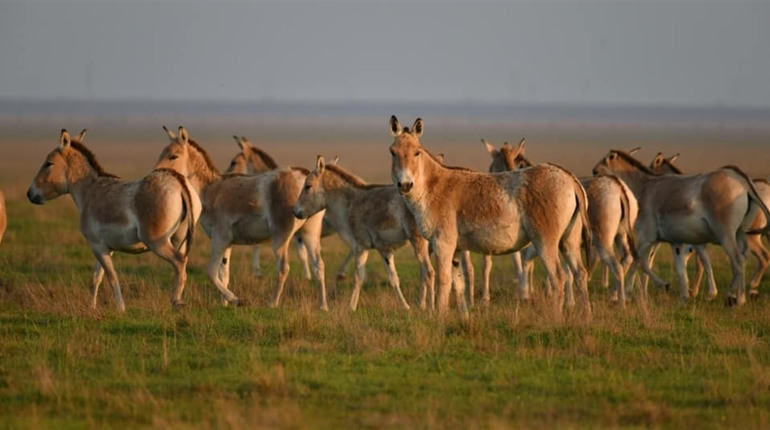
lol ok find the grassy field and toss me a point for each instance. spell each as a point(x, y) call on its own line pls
point(64, 365)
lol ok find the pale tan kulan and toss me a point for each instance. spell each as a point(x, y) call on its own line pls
point(458, 209)
point(156, 213)
point(714, 207)
point(246, 210)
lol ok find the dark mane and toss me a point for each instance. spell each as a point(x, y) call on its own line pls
point(205, 155)
point(352, 179)
point(761, 180)
point(91, 158)
point(268, 160)
point(634, 162)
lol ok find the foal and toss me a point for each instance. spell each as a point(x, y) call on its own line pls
point(366, 217)
point(156, 213)
point(457, 209)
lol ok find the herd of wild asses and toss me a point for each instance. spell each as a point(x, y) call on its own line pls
point(620, 214)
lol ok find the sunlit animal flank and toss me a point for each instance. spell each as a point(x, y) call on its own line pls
point(246, 210)
point(714, 207)
point(457, 209)
point(156, 213)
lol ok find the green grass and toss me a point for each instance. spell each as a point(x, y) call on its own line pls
point(64, 365)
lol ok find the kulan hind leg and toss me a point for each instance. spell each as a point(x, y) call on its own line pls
point(178, 261)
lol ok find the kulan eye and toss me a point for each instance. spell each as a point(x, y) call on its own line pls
point(173, 157)
point(48, 164)
point(392, 153)
point(307, 187)
point(417, 154)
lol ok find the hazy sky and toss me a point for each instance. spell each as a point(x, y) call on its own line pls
point(539, 52)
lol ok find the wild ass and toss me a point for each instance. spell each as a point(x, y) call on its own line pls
point(714, 207)
point(156, 213)
point(246, 210)
point(457, 209)
point(660, 164)
point(366, 217)
point(612, 211)
point(252, 161)
point(3, 216)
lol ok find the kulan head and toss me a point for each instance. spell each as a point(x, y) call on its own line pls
point(51, 181)
point(407, 155)
point(239, 163)
point(312, 199)
point(175, 155)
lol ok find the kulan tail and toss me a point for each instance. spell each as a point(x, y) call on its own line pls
point(754, 197)
point(625, 204)
point(188, 209)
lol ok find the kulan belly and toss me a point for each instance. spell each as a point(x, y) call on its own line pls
point(690, 230)
point(493, 241)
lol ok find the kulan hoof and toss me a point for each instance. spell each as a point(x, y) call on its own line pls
point(341, 276)
point(178, 305)
point(731, 301)
point(753, 295)
point(667, 288)
point(238, 303)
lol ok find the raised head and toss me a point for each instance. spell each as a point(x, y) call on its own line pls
point(312, 199)
point(507, 157)
point(662, 165)
point(617, 161)
point(251, 160)
point(176, 154)
point(238, 164)
point(70, 160)
point(408, 155)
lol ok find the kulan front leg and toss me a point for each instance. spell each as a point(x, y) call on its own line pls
point(390, 267)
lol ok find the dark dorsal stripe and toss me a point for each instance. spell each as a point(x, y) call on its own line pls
point(91, 159)
point(205, 155)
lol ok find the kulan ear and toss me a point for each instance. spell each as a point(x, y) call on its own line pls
point(170, 133)
point(238, 141)
point(440, 157)
point(64, 139)
point(82, 135)
point(520, 147)
point(658, 160)
point(183, 136)
point(395, 126)
point(417, 128)
point(673, 158)
point(320, 164)
point(490, 148)
point(634, 150)
point(335, 160)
